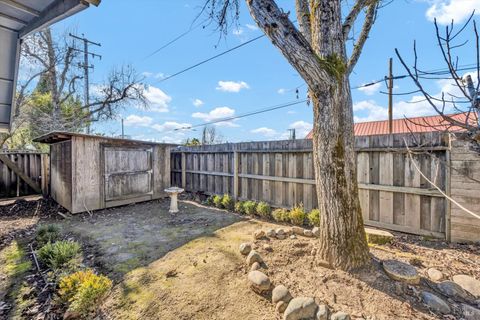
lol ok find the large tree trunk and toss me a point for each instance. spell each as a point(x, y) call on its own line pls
point(322, 63)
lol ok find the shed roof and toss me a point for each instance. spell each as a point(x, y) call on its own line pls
point(18, 18)
point(59, 136)
point(407, 125)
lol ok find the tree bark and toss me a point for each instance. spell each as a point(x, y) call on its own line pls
point(322, 63)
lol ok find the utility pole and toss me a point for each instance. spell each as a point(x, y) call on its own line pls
point(123, 132)
point(86, 67)
point(390, 96)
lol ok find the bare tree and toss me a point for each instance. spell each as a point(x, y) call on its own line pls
point(51, 64)
point(317, 50)
point(459, 107)
point(210, 135)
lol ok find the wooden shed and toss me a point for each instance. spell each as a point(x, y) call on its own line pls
point(89, 172)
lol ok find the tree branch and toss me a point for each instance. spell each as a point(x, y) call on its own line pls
point(352, 17)
point(303, 16)
point(367, 26)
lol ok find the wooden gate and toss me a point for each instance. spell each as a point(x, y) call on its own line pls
point(128, 174)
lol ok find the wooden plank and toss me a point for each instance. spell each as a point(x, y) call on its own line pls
point(412, 201)
point(374, 197)
point(266, 183)
point(235, 175)
point(12, 166)
point(363, 176)
point(184, 171)
point(399, 181)
point(278, 187)
point(405, 229)
point(386, 179)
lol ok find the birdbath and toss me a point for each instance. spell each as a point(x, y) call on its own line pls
point(173, 193)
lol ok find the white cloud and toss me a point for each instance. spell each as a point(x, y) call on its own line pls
point(281, 91)
point(370, 90)
point(446, 10)
point(291, 112)
point(148, 74)
point(217, 114)
point(267, 132)
point(134, 120)
point(198, 103)
point(251, 27)
point(170, 125)
point(157, 99)
point(237, 31)
point(232, 86)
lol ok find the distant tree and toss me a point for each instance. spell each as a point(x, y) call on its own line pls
point(463, 95)
point(49, 99)
point(193, 142)
point(317, 50)
point(210, 135)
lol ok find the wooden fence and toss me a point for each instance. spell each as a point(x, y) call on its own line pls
point(393, 194)
point(23, 173)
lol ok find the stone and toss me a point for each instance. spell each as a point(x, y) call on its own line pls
point(267, 247)
point(253, 257)
point(316, 231)
point(340, 315)
point(281, 293)
point(271, 233)
point(281, 236)
point(308, 233)
point(293, 237)
point(255, 266)
point(376, 236)
point(297, 230)
point(322, 312)
point(434, 274)
point(259, 281)
point(452, 290)
point(280, 231)
point(245, 248)
point(401, 271)
point(281, 306)
point(470, 313)
point(300, 308)
point(468, 283)
point(259, 234)
point(435, 303)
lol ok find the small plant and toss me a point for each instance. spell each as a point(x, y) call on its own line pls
point(240, 207)
point(263, 209)
point(250, 207)
point(60, 254)
point(217, 201)
point(297, 215)
point(208, 201)
point(314, 217)
point(227, 202)
point(47, 233)
point(281, 215)
point(83, 291)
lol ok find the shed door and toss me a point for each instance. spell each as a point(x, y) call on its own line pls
point(128, 174)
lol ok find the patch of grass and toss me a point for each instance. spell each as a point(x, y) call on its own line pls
point(240, 207)
point(281, 215)
point(217, 201)
point(47, 233)
point(14, 260)
point(250, 207)
point(264, 209)
point(314, 217)
point(227, 202)
point(297, 215)
point(60, 254)
point(83, 291)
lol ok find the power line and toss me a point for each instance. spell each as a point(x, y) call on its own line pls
point(210, 59)
point(263, 110)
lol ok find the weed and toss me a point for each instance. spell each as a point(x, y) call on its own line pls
point(217, 201)
point(250, 207)
point(47, 233)
point(314, 217)
point(60, 254)
point(281, 215)
point(264, 209)
point(297, 215)
point(240, 207)
point(227, 202)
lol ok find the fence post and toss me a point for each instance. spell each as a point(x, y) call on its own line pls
point(235, 175)
point(45, 173)
point(184, 170)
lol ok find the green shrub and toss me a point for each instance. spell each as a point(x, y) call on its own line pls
point(217, 201)
point(250, 207)
point(314, 217)
point(281, 215)
point(208, 201)
point(264, 210)
point(240, 207)
point(227, 202)
point(47, 233)
point(83, 291)
point(297, 215)
point(60, 254)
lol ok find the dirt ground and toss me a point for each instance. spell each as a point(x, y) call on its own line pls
point(188, 266)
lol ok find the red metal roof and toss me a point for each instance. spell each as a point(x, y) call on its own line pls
point(406, 125)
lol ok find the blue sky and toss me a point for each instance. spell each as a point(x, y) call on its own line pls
point(253, 77)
